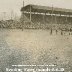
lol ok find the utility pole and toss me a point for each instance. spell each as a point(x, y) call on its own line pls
point(4, 15)
point(12, 14)
point(23, 17)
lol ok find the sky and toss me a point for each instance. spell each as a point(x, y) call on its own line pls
point(10, 8)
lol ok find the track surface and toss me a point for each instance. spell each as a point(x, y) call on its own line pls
point(35, 47)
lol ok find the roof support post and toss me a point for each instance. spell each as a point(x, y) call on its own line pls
point(69, 15)
point(44, 18)
point(69, 19)
point(52, 19)
point(60, 19)
point(30, 13)
point(52, 14)
point(66, 18)
point(55, 19)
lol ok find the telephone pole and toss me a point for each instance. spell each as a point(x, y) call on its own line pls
point(23, 17)
point(12, 14)
point(4, 15)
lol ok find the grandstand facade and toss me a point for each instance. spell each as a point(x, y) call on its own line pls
point(35, 16)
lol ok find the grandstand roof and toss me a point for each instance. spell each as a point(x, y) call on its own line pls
point(46, 9)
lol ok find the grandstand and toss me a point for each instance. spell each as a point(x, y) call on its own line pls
point(36, 16)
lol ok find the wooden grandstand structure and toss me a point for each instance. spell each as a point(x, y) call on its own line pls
point(46, 15)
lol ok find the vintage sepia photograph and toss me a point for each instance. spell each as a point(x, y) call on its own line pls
point(35, 35)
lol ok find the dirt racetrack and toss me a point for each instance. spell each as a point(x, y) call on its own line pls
point(35, 47)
